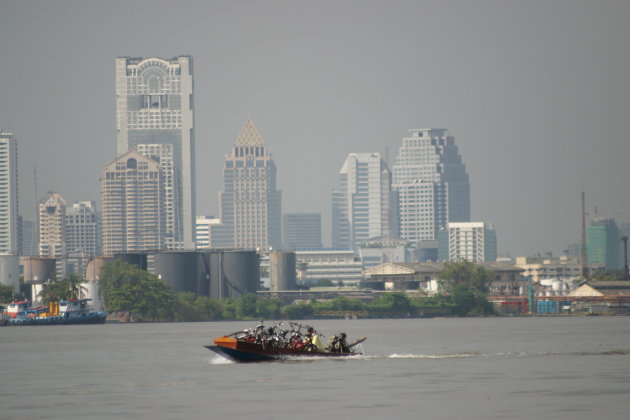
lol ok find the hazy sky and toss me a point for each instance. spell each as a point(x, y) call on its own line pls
point(536, 94)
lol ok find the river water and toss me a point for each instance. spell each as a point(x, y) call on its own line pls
point(473, 368)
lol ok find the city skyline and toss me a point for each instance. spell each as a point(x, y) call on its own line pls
point(534, 94)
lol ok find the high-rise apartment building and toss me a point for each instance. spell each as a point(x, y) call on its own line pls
point(132, 197)
point(250, 203)
point(82, 235)
point(471, 241)
point(9, 206)
point(52, 230)
point(302, 231)
point(603, 241)
point(361, 202)
point(163, 154)
point(154, 105)
point(431, 183)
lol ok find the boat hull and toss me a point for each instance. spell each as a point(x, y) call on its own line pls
point(244, 351)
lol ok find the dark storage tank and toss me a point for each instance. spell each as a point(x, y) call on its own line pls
point(203, 273)
point(39, 269)
point(178, 270)
point(282, 270)
point(233, 273)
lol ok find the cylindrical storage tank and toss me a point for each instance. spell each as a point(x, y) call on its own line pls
point(178, 270)
point(242, 272)
point(90, 291)
point(138, 259)
point(39, 269)
point(282, 270)
point(95, 266)
point(10, 271)
point(233, 273)
point(203, 273)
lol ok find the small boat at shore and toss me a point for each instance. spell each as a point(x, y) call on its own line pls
point(275, 343)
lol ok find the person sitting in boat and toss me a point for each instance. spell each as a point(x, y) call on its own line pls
point(338, 344)
point(312, 342)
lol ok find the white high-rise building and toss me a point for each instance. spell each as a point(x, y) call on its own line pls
point(361, 202)
point(9, 206)
point(204, 230)
point(82, 235)
point(470, 241)
point(431, 183)
point(52, 230)
point(154, 105)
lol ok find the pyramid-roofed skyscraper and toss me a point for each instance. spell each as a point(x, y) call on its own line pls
point(250, 204)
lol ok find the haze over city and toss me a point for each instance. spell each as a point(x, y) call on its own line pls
point(534, 94)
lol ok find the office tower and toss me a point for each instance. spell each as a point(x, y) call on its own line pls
point(203, 235)
point(9, 206)
point(82, 235)
point(602, 243)
point(361, 201)
point(52, 230)
point(154, 105)
point(163, 154)
point(132, 196)
point(469, 241)
point(302, 231)
point(250, 204)
point(431, 184)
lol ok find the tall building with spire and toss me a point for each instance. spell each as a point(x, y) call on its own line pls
point(52, 230)
point(431, 183)
point(250, 204)
point(9, 203)
point(154, 106)
point(132, 197)
point(361, 202)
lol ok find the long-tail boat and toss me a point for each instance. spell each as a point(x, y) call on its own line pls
point(265, 345)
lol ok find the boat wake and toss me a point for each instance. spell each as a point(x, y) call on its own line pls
point(434, 356)
point(220, 360)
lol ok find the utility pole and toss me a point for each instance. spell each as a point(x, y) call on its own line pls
point(584, 268)
point(626, 274)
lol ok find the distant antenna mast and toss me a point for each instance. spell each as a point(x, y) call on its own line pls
point(35, 233)
point(584, 268)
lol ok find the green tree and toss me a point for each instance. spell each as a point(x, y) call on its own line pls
point(246, 306)
point(391, 302)
point(70, 287)
point(208, 308)
point(6, 293)
point(467, 284)
point(268, 308)
point(126, 287)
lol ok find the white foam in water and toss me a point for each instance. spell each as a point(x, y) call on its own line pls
point(433, 356)
point(220, 360)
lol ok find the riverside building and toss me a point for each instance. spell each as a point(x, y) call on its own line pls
point(154, 106)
